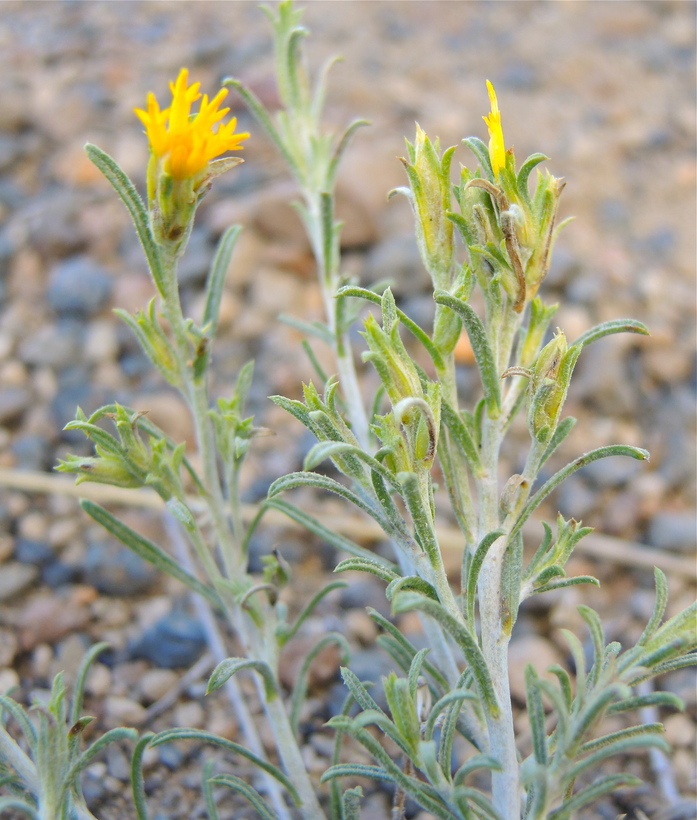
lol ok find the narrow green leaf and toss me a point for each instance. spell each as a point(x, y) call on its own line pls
point(664, 699)
point(147, 550)
point(461, 435)
point(420, 518)
point(525, 169)
point(406, 601)
point(262, 117)
point(17, 804)
point(351, 804)
point(207, 789)
point(456, 696)
point(79, 686)
point(570, 469)
point(480, 345)
point(622, 734)
point(227, 668)
point(341, 147)
point(112, 736)
point(230, 746)
point(355, 770)
point(610, 327)
point(359, 692)
point(137, 780)
point(329, 449)
point(595, 626)
point(364, 565)
point(481, 152)
point(605, 785)
point(300, 688)
point(331, 536)
point(130, 198)
point(564, 427)
point(19, 714)
point(309, 607)
point(411, 582)
point(316, 329)
point(536, 714)
point(658, 609)
point(478, 761)
point(415, 670)
point(321, 482)
point(409, 324)
point(474, 569)
point(252, 795)
point(567, 582)
point(408, 647)
point(216, 278)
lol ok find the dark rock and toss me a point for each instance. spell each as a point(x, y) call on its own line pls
point(171, 756)
point(611, 472)
point(397, 259)
point(193, 266)
point(115, 570)
point(28, 551)
point(32, 452)
point(14, 401)
point(673, 531)
point(57, 345)
point(366, 593)
point(575, 498)
point(58, 573)
point(79, 286)
point(174, 641)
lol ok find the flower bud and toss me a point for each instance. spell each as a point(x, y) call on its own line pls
point(429, 176)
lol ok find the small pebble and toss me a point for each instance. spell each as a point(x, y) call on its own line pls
point(157, 682)
point(116, 570)
point(15, 578)
point(8, 646)
point(533, 649)
point(189, 715)
point(122, 711)
point(98, 681)
point(673, 531)
point(680, 730)
point(78, 286)
point(9, 680)
point(41, 660)
point(177, 640)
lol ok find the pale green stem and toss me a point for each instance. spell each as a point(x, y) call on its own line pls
point(197, 394)
point(495, 640)
point(288, 749)
point(458, 472)
point(263, 646)
point(328, 279)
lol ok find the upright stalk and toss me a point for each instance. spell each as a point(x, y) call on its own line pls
point(495, 639)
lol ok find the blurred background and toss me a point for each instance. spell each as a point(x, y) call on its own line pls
point(605, 89)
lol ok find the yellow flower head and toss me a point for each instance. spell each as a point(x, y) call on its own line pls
point(188, 143)
point(497, 147)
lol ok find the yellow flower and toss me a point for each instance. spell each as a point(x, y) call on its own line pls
point(187, 143)
point(497, 147)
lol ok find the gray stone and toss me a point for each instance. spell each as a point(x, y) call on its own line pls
point(79, 286)
point(32, 451)
point(673, 531)
point(177, 640)
point(15, 578)
point(13, 402)
point(116, 570)
point(55, 345)
point(29, 551)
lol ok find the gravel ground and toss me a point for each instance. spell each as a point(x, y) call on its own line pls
point(606, 89)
